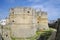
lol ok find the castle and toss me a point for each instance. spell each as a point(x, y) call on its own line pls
point(25, 21)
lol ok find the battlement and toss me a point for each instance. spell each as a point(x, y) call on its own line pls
point(22, 10)
point(43, 14)
point(27, 10)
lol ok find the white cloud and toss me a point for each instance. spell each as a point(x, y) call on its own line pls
point(38, 7)
point(50, 7)
point(3, 13)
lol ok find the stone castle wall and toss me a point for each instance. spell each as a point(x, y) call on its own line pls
point(25, 21)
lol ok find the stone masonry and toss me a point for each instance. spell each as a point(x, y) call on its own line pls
point(24, 22)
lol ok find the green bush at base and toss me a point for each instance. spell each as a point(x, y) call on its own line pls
point(46, 34)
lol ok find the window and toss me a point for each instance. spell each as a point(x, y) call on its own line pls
point(38, 22)
point(12, 13)
point(13, 21)
point(28, 12)
point(6, 35)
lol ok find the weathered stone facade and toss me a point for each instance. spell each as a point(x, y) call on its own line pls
point(24, 22)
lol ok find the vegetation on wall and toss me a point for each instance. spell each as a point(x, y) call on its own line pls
point(39, 34)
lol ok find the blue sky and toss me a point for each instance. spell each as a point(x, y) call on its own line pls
point(52, 7)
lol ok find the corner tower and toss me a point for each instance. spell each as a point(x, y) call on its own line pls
point(22, 22)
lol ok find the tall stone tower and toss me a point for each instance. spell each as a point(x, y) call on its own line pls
point(25, 21)
point(22, 22)
point(42, 20)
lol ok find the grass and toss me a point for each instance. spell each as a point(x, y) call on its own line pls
point(45, 33)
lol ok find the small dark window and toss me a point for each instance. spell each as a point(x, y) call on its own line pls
point(28, 11)
point(13, 12)
point(13, 21)
point(6, 35)
point(38, 22)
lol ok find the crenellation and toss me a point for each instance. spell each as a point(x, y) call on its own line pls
point(43, 13)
